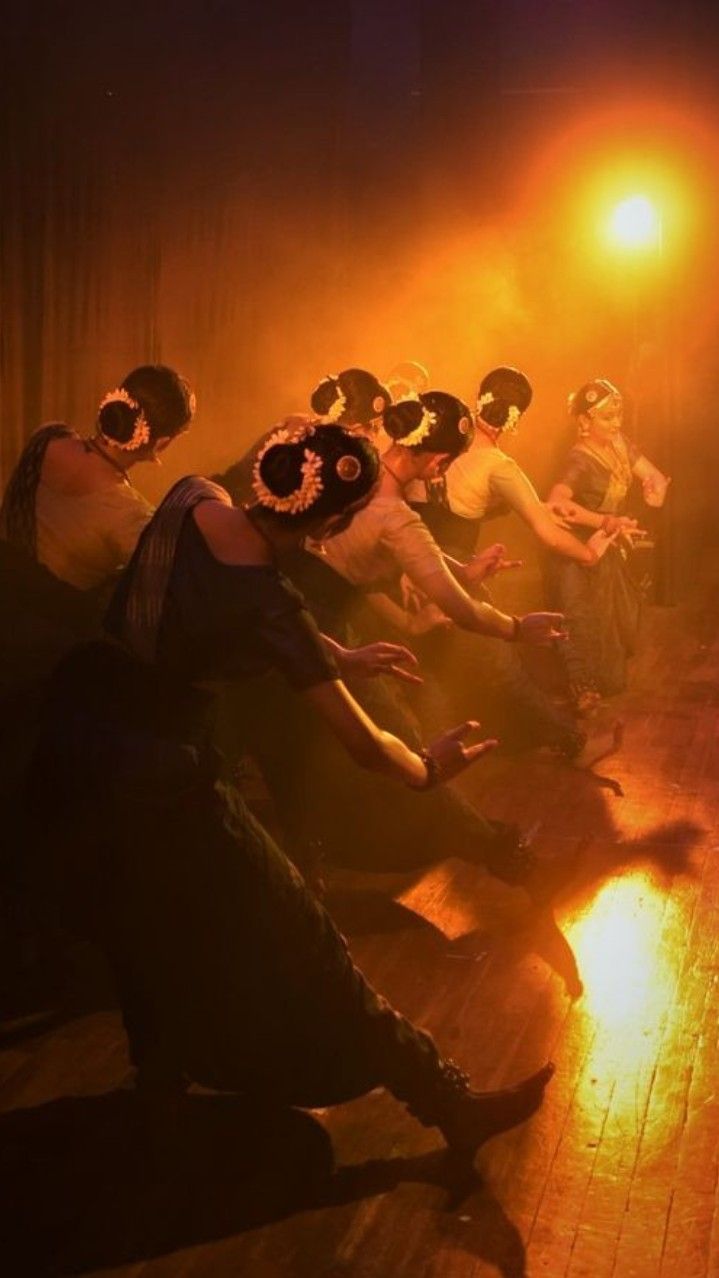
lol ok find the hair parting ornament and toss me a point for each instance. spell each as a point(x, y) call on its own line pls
point(427, 421)
point(591, 395)
point(141, 431)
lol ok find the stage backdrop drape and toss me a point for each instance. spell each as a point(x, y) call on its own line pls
point(171, 190)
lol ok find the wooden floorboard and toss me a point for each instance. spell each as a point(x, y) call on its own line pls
point(615, 1177)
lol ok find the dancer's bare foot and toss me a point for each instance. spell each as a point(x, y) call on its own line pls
point(470, 1118)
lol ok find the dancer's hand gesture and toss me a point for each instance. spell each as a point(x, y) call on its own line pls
point(450, 754)
point(378, 659)
point(488, 563)
point(540, 627)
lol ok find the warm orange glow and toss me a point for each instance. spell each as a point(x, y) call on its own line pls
point(617, 946)
point(630, 976)
point(635, 224)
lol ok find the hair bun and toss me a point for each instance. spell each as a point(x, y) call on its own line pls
point(325, 394)
point(287, 474)
point(402, 418)
point(280, 467)
point(504, 394)
point(121, 421)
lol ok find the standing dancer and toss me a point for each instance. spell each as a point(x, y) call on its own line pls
point(603, 605)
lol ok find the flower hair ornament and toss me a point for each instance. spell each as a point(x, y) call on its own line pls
point(339, 403)
point(141, 430)
point(486, 398)
point(512, 423)
point(421, 431)
point(310, 487)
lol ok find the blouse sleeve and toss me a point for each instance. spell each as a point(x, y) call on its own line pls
point(509, 484)
point(634, 452)
point(574, 471)
point(289, 636)
point(411, 543)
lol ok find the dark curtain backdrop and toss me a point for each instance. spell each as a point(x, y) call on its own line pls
point(171, 191)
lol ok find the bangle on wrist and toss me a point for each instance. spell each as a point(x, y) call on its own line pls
point(433, 769)
point(516, 630)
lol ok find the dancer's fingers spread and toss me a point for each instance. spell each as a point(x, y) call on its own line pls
point(406, 676)
point(463, 730)
point(393, 652)
point(482, 747)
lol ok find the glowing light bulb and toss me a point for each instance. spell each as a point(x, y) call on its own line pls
point(635, 223)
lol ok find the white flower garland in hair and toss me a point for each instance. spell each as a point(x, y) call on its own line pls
point(486, 398)
point(420, 432)
point(336, 409)
point(512, 423)
point(311, 486)
point(141, 432)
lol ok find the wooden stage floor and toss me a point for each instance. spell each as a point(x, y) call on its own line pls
point(616, 1174)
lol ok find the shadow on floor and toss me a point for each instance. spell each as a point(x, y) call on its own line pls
point(83, 1185)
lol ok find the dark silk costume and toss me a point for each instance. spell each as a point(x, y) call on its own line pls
point(227, 967)
point(602, 605)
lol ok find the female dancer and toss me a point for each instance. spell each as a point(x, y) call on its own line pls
point(229, 971)
point(70, 520)
point(484, 480)
point(70, 504)
point(602, 606)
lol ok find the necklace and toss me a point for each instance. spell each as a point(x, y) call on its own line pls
point(488, 432)
point(94, 447)
point(613, 456)
point(402, 482)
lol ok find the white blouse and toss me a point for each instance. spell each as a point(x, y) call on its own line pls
point(85, 538)
point(482, 478)
point(384, 539)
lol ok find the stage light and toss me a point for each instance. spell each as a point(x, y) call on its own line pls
point(635, 224)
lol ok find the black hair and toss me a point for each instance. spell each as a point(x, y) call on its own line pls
point(348, 472)
point(451, 432)
point(509, 389)
point(360, 389)
point(161, 395)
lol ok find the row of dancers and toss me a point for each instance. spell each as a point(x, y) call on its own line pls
point(147, 652)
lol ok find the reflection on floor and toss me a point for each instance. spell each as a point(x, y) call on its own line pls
point(617, 982)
